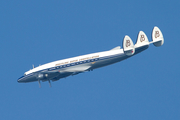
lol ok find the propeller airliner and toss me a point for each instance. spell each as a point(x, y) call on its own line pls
point(56, 70)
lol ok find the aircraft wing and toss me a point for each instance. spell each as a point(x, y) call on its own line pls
point(71, 71)
point(76, 69)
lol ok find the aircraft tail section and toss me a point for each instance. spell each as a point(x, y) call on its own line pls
point(128, 46)
point(142, 40)
point(157, 37)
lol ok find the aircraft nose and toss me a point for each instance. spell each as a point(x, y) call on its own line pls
point(20, 79)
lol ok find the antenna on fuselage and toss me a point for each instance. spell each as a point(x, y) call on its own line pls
point(33, 66)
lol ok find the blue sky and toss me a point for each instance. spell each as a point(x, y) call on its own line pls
point(144, 87)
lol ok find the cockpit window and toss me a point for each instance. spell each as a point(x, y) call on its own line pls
point(21, 77)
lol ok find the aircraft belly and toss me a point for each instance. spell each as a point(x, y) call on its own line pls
point(119, 58)
point(109, 61)
point(140, 49)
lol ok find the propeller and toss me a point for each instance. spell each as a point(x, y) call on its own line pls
point(39, 83)
point(49, 83)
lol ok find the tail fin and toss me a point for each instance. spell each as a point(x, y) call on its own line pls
point(157, 37)
point(128, 46)
point(142, 40)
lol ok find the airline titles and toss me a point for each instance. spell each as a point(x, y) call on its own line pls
point(77, 60)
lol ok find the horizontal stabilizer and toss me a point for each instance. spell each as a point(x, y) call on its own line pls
point(142, 40)
point(157, 37)
point(128, 46)
point(116, 48)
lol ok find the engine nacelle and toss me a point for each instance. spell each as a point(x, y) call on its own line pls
point(42, 76)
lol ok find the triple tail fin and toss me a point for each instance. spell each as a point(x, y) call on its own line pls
point(157, 37)
point(128, 46)
point(142, 40)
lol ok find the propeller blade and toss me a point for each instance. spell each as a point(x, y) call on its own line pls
point(49, 83)
point(39, 83)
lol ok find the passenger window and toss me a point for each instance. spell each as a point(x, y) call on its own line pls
point(87, 61)
point(96, 59)
point(92, 60)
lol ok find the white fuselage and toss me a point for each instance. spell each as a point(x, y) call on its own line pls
point(103, 57)
point(72, 66)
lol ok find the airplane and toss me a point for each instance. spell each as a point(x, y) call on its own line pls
point(56, 70)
